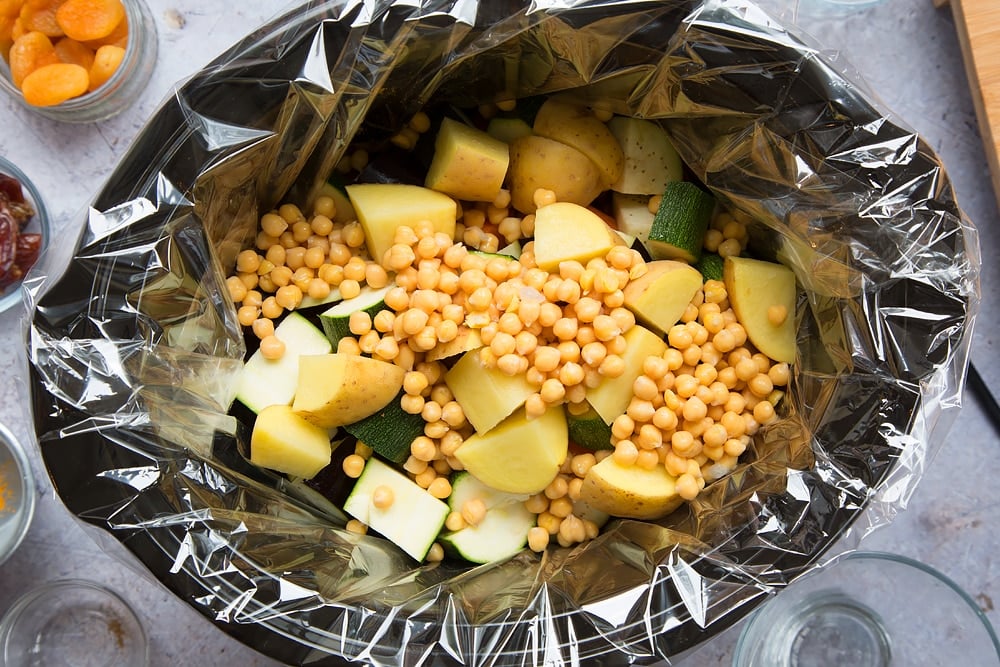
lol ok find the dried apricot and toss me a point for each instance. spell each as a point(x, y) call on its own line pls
point(85, 20)
point(40, 15)
point(75, 53)
point(118, 37)
point(18, 30)
point(106, 61)
point(10, 8)
point(30, 51)
point(54, 84)
point(6, 40)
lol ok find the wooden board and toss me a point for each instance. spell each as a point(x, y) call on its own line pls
point(978, 24)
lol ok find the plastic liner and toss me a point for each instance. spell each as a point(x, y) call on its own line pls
point(134, 347)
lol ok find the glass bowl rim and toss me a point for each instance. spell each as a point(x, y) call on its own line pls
point(44, 591)
point(29, 486)
point(864, 556)
point(41, 217)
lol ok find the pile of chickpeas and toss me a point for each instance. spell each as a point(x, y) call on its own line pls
point(693, 409)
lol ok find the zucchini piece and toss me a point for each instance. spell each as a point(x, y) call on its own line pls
point(507, 129)
point(335, 190)
point(632, 214)
point(413, 520)
point(511, 250)
point(390, 431)
point(680, 223)
point(502, 533)
point(267, 382)
point(312, 302)
point(650, 158)
point(710, 266)
point(589, 431)
point(465, 487)
point(336, 320)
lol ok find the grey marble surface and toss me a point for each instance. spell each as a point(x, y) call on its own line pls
point(906, 50)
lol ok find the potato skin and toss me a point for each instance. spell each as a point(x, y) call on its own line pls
point(537, 162)
point(576, 126)
point(630, 492)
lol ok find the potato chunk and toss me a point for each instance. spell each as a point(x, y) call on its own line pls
point(762, 295)
point(520, 455)
point(565, 231)
point(338, 389)
point(630, 491)
point(284, 441)
point(537, 162)
point(384, 207)
point(576, 126)
point(468, 163)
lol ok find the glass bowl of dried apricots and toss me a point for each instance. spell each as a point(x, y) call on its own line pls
point(76, 60)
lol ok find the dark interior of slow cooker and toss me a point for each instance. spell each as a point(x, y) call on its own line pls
point(845, 404)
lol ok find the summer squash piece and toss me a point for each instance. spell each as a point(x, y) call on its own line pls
point(413, 520)
point(267, 382)
point(650, 158)
point(390, 431)
point(680, 223)
point(502, 533)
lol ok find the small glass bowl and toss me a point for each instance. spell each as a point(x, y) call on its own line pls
point(17, 493)
point(869, 609)
point(38, 224)
point(73, 623)
point(121, 90)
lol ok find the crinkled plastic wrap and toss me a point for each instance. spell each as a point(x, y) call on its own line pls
point(135, 347)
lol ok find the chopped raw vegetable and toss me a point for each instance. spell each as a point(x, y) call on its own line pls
point(680, 222)
point(284, 441)
point(389, 431)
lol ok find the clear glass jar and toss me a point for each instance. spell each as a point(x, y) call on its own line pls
point(124, 86)
point(39, 223)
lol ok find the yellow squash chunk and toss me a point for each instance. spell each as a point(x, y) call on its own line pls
point(577, 126)
point(383, 207)
point(630, 491)
point(612, 396)
point(284, 441)
point(467, 339)
point(468, 163)
point(520, 455)
point(659, 297)
point(338, 389)
point(762, 295)
point(486, 395)
point(537, 162)
point(565, 231)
